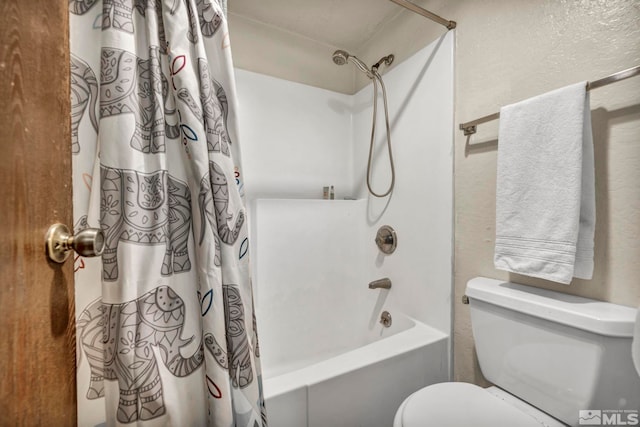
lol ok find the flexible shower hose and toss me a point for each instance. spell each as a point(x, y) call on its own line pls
point(377, 78)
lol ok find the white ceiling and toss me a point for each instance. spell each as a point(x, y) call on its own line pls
point(345, 24)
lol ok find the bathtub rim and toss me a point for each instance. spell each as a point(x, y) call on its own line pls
point(419, 335)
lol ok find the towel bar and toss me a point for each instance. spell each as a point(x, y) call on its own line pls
point(470, 127)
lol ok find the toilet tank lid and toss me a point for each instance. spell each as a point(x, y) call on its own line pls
point(583, 313)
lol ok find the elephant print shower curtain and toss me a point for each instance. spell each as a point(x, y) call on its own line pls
point(166, 331)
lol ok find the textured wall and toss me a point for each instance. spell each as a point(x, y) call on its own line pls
point(510, 50)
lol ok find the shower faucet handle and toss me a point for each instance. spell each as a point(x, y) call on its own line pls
point(386, 239)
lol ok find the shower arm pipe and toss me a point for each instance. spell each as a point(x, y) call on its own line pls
point(424, 12)
point(470, 128)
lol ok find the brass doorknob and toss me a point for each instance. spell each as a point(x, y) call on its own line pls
point(59, 242)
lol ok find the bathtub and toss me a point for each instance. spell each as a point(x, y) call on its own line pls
point(326, 359)
point(362, 386)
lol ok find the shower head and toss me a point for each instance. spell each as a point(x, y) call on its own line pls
point(341, 57)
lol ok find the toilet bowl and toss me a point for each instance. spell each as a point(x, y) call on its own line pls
point(464, 404)
point(549, 354)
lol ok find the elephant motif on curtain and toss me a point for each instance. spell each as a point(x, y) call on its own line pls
point(209, 19)
point(118, 14)
point(117, 340)
point(238, 357)
point(238, 346)
point(216, 109)
point(80, 7)
point(213, 200)
point(148, 209)
point(84, 91)
point(130, 85)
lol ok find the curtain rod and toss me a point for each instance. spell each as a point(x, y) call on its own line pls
point(470, 127)
point(420, 11)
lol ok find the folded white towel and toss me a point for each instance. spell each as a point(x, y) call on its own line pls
point(545, 205)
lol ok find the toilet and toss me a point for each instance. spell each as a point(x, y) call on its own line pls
point(555, 360)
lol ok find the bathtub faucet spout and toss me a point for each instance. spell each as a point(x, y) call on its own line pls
point(381, 284)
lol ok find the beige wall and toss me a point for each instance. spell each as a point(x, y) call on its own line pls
point(508, 50)
point(269, 50)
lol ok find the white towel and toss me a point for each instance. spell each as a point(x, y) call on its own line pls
point(545, 204)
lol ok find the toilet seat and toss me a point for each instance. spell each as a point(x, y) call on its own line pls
point(459, 404)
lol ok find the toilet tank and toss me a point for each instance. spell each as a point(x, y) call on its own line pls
point(560, 353)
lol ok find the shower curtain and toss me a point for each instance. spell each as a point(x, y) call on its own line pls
point(166, 331)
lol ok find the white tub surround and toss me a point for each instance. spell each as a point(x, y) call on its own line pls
point(363, 386)
point(324, 363)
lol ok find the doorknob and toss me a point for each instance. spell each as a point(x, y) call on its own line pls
point(59, 242)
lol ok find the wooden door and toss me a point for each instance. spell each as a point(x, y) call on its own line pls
point(37, 348)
